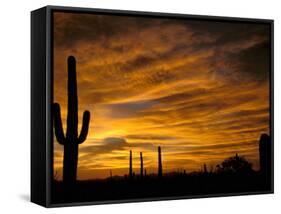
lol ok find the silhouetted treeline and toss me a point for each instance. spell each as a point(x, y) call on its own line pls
point(169, 185)
point(234, 175)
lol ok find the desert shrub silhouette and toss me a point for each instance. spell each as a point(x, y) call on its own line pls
point(236, 164)
point(71, 139)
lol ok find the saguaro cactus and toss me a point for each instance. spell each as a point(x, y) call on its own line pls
point(141, 165)
point(70, 140)
point(159, 162)
point(131, 165)
point(265, 153)
point(205, 170)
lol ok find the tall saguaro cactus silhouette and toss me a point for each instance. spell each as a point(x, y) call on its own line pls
point(265, 153)
point(141, 165)
point(159, 162)
point(130, 165)
point(70, 140)
point(265, 159)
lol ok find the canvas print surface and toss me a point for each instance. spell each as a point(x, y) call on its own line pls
point(154, 107)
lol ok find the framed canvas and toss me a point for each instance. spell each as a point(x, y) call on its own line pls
point(138, 106)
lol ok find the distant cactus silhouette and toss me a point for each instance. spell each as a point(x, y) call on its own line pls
point(159, 162)
point(70, 140)
point(145, 173)
point(141, 165)
point(131, 165)
point(265, 158)
point(205, 168)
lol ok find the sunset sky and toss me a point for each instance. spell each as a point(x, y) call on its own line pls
point(198, 89)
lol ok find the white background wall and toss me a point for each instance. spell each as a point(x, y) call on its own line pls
point(15, 105)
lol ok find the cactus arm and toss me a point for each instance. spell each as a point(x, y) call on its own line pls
point(58, 124)
point(85, 127)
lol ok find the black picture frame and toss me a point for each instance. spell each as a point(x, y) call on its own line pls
point(42, 98)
